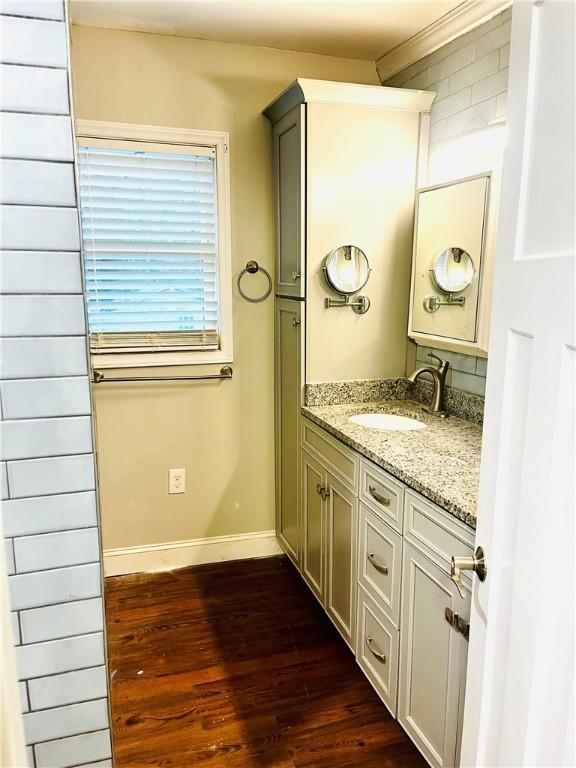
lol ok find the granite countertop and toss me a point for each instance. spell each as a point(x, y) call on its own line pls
point(442, 462)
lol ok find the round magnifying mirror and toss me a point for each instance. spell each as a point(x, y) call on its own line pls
point(452, 270)
point(347, 269)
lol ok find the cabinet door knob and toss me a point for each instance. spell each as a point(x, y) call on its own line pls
point(379, 567)
point(296, 321)
point(374, 651)
point(384, 500)
point(295, 276)
point(476, 563)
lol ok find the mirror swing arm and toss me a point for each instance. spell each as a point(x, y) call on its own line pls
point(360, 304)
point(432, 303)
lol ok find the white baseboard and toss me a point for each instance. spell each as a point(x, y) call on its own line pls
point(179, 554)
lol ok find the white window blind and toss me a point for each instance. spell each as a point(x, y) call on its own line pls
point(150, 234)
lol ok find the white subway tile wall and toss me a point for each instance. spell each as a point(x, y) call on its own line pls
point(470, 76)
point(38, 272)
point(74, 750)
point(47, 468)
point(43, 356)
point(47, 137)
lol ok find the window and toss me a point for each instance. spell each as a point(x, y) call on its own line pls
point(155, 226)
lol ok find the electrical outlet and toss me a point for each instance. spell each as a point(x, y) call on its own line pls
point(177, 480)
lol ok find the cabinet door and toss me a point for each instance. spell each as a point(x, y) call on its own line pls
point(288, 396)
point(341, 527)
point(430, 659)
point(288, 137)
point(313, 485)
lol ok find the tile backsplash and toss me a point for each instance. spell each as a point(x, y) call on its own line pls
point(459, 403)
point(47, 464)
point(466, 372)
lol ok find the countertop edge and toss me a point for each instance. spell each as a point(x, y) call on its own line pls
point(447, 505)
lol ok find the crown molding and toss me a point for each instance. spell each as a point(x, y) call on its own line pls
point(304, 90)
point(466, 16)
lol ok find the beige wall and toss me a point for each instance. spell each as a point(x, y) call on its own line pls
point(221, 432)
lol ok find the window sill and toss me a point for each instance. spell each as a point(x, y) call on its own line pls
point(160, 359)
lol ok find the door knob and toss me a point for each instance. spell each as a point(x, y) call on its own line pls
point(295, 276)
point(296, 321)
point(476, 563)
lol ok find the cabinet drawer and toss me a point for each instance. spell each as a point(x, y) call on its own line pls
point(435, 532)
point(380, 563)
point(382, 493)
point(377, 649)
point(341, 461)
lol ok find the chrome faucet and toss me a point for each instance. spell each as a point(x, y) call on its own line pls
point(439, 379)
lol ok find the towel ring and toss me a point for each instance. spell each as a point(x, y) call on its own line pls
point(251, 268)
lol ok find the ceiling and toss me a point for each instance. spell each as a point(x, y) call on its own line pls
point(361, 29)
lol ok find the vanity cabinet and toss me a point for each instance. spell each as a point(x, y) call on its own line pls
point(377, 556)
point(341, 530)
point(432, 655)
point(434, 639)
point(329, 521)
point(330, 526)
point(314, 481)
point(288, 384)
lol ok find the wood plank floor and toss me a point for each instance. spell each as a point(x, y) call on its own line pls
point(236, 665)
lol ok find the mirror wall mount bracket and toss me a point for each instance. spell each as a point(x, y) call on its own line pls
point(432, 303)
point(359, 304)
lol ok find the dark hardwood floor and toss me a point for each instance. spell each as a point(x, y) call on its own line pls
point(236, 665)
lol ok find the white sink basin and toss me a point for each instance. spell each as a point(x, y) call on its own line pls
point(387, 421)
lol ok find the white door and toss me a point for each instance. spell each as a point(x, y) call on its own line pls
point(519, 700)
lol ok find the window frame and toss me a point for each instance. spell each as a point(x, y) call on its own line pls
point(219, 142)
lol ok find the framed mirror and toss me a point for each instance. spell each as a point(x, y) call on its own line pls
point(347, 269)
point(452, 270)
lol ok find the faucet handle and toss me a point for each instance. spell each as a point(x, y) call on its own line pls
point(435, 357)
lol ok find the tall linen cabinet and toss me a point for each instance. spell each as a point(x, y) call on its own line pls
point(347, 160)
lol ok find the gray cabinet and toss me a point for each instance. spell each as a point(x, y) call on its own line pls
point(288, 138)
point(329, 527)
point(313, 489)
point(288, 379)
point(377, 556)
point(432, 655)
point(341, 531)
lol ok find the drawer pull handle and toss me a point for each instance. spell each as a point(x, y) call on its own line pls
point(382, 568)
point(457, 623)
point(378, 496)
point(374, 651)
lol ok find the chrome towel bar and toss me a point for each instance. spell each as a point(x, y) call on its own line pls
point(225, 373)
